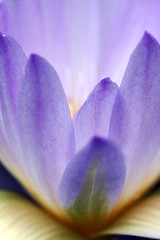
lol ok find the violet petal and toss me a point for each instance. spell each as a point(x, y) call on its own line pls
point(93, 181)
point(135, 122)
point(93, 118)
point(45, 125)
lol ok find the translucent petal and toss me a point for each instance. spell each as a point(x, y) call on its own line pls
point(142, 220)
point(92, 183)
point(20, 219)
point(135, 120)
point(45, 126)
point(93, 117)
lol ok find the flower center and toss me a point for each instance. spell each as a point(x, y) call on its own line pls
point(73, 108)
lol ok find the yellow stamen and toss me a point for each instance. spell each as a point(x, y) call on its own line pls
point(73, 108)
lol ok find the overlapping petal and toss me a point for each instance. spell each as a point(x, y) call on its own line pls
point(135, 122)
point(142, 220)
point(12, 65)
point(12, 137)
point(92, 183)
point(60, 31)
point(20, 219)
point(45, 126)
point(84, 41)
point(93, 118)
point(94, 180)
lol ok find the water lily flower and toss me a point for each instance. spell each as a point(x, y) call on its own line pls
point(89, 174)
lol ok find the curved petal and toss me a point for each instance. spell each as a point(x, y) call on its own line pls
point(143, 220)
point(135, 121)
point(45, 126)
point(92, 183)
point(91, 40)
point(20, 219)
point(12, 66)
point(58, 43)
point(93, 118)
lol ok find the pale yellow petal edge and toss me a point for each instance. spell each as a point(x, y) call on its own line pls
point(21, 220)
point(141, 220)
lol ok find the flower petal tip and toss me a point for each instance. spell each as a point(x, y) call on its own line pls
point(105, 82)
point(34, 57)
point(148, 39)
point(97, 141)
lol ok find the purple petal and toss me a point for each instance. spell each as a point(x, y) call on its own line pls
point(45, 124)
point(135, 122)
point(12, 66)
point(93, 118)
point(124, 27)
point(34, 25)
point(91, 40)
point(93, 181)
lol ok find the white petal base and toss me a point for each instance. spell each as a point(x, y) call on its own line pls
point(142, 220)
point(21, 220)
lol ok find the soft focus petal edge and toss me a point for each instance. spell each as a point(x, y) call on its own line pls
point(92, 183)
point(141, 220)
point(30, 221)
